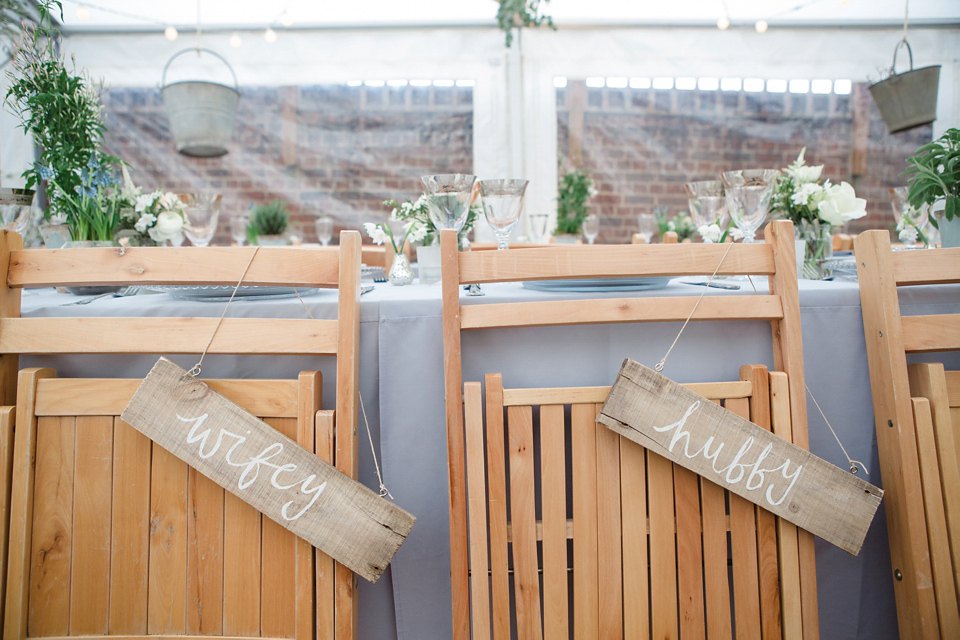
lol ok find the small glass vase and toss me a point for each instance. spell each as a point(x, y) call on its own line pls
point(401, 273)
point(818, 239)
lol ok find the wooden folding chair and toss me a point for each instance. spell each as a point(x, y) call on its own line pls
point(916, 437)
point(110, 534)
point(775, 259)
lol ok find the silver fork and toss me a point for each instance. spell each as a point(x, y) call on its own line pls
point(123, 293)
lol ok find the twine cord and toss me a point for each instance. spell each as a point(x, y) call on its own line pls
point(659, 366)
point(853, 463)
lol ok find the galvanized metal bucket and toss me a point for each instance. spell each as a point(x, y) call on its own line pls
point(202, 114)
point(907, 100)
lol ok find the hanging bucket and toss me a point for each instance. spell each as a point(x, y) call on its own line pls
point(201, 114)
point(907, 100)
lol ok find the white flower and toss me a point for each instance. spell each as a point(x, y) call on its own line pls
point(145, 222)
point(736, 233)
point(129, 191)
point(801, 173)
point(375, 232)
point(418, 234)
point(142, 203)
point(710, 232)
point(169, 226)
point(592, 192)
point(169, 201)
point(840, 205)
point(806, 191)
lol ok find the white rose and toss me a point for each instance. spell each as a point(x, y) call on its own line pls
point(840, 204)
point(169, 226)
point(145, 222)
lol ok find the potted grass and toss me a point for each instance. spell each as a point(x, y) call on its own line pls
point(268, 224)
point(934, 172)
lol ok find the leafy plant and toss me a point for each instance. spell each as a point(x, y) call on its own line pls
point(573, 191)
point(95, 206)
point(269, 219)
point(934, 172)
point(60, 108)
point(520, 13)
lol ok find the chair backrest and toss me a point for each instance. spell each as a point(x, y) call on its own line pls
point(775, 259)
point(112, 535)
point(906, 429)
point(639, 546)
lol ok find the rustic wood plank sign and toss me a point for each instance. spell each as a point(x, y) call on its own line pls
point(736, 454)
point(268, 470)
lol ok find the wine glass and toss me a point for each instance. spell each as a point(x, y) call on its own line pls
point(648, 225)
point(202, 211)
point(591, 227)
point(748, 193)
point(502, 203)
point(238, 229)
point(324, 229)
point(448, 197)
point(707, 204)
point(538, 226)
point(910, 218)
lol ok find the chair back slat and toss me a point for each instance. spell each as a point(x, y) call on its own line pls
point(610, 261)
point(617, 310)
point(273, 336)
point(925, 267)
point(639, 545)
point(923, 334)
point(145, 266)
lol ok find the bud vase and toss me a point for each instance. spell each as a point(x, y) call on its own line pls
point(401, 272)
point(818, 239)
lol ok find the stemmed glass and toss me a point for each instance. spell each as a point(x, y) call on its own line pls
point(538, 226)
point(707, 204)
point(202, 212)
point(448, 197)
point(748, 193)
point(324, 229)
point(911, 219)
point(591, 227)
point(502, 203)
point(238, 229)
point(647, 223)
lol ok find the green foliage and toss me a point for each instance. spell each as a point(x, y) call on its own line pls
point(934, 172)
point(417, 211)
point(59, 107)
point(573, 191)
point(269, 219)
point(520, 13)
point(94, 208)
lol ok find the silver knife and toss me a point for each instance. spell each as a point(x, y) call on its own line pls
point(716, 285)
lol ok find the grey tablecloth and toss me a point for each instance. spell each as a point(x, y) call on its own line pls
point(401, 373)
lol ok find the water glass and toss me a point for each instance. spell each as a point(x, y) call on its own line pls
point(448, 198)
point(591, 227)
point(202, 211)
point(707, 203)
point(324, 229)
point(238, 229)
point(647, 223)
point(538, 226)
point(748, 193)
point(502, 203)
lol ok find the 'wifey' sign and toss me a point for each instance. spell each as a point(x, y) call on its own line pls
point(736, 454)
point(268, 470)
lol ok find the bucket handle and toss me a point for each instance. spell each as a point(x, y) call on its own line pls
point(893, 68)
point(163, 77)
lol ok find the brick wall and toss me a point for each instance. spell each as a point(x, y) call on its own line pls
point(641, 145)
point(331, 149)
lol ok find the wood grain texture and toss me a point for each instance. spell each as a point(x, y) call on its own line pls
point(553, 487)
point(636, 588)
point(477, 510)
point(936, 267)
point(167, 591)
point(273, 336)
point(204, 555)
point(618, 310)
point(575, 395)
point(141, 266)
point(278, 553)
point(922, 334)
point(586, 580)
point(7, 415)
point(9, 308)
point(664, 601)
point(609, 556)
point(241, 567)
point(523, 519)
point(350, 522)
point(497, 499)
point(805, 490)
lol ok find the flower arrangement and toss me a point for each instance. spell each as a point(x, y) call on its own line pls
point(575, 188)
point(380, 232)
point(417, 211)
point(681, 224)
point(713, 232)
point(92, 210)
point(61, 109)
point(815, 209)
point(148, 220)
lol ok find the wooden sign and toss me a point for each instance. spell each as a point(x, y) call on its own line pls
point(268, 470)
point(736, 454)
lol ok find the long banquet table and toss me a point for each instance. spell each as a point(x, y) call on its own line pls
point(401, 386)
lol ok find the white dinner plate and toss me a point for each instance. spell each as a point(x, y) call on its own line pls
point(598, 284)
point(220, 293)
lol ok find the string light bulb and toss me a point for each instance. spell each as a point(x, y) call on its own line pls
point(286, 19)
point(761, 26)
point(170, 33)
point(270, 35)
point(235, 40)
point(83, 13)
point(723, 23)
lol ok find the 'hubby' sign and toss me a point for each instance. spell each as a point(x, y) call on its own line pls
point(736, 454)
point(268, 470)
